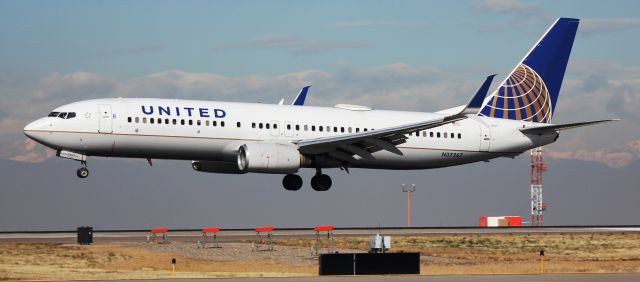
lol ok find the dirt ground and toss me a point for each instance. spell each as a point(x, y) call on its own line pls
point(446, 254)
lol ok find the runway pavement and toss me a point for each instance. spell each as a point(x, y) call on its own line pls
point(239, 235)
point(236, 235)
point(439, 278)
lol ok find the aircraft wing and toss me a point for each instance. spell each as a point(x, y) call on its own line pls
point(557, 127)
point(362, 144)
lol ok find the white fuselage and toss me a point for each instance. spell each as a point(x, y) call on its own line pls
point(213, 131)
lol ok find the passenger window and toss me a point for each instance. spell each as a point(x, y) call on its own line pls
point(137, 120)
point(320, 128)
point(267, 125)
point(238, 124)
point(129, 119)
point(431, 134)
point(342, 129)
point(297, 127)
point(253, 125)
point(335, 129)
point(438, 134)
point(313, 128)
point(349, 129)
point(198, 122)
point(306, 127)
point(222, 124)
point(206, 123)
point(144, 120)
point(288, 126)
point(445, 135)
point(166, 121)
point(459, 136)
point(452, 135)
point(357, 129)
point(174, 121)
point(190, 122)
point(275, 126)
point(260, 125)
point(214, 123)
point(182, 121)
point(424, 134)
point(364, 129)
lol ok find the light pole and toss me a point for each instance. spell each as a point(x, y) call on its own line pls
point(408, 189)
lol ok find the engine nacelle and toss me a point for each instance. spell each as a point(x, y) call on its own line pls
point(216, 167)
point(268, 158)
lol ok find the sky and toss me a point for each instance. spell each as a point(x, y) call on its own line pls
point(399, 55)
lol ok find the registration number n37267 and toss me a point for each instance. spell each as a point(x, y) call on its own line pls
point(451, 155)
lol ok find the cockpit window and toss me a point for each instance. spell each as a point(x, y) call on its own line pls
point(63, 115)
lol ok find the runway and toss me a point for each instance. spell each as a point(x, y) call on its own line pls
point(237, 235)
point(440, 278)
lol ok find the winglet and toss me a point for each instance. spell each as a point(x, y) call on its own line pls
point(474, 105)
point(299, 100)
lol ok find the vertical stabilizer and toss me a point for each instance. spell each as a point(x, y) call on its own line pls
point(531, 91)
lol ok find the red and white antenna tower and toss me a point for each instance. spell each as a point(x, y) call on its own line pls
point(537, 168)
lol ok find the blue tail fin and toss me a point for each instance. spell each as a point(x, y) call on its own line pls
point(531, 90)
point(299, 100)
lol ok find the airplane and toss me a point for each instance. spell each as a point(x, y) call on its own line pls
point(239, 138)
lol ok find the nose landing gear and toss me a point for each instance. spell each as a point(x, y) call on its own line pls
point(82, 172)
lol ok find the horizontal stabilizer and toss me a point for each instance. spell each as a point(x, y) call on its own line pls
point(558, 127)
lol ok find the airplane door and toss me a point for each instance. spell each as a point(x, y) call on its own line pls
point(288, 129)
point(485, 138)
point(275, 130)
point(105, 119)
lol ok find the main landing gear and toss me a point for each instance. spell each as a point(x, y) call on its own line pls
point(292, 182)
point(82, 172)
point(319, 182)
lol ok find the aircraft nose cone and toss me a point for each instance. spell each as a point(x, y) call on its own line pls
point(28, 130)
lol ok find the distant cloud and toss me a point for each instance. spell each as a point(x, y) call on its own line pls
point(595, 90)
point(593, 26)
point(29, 151)
point(293, 45)
point(617, 156)
point(381, 24)
point(504, 7)
point(508, 15)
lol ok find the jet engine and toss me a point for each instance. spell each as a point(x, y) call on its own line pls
point(216, 167)
point(269, 158)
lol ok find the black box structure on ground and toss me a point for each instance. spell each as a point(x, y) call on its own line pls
point(85, 235)
point(369, 263)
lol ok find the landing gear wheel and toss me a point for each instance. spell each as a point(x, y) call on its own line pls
point(321, 182)
point(82, 172)
point(292, 182)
